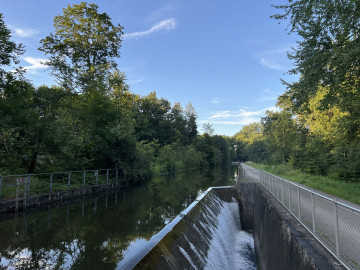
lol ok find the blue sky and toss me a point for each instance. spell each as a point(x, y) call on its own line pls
point(225, 57)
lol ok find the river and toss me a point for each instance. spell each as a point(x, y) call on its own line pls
point(99, 231)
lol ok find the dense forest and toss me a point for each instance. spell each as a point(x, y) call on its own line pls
point(317, 127)
point(90, 119)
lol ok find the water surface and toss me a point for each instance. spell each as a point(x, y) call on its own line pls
point(98, 232)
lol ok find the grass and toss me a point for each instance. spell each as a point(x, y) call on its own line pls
point(347, 190)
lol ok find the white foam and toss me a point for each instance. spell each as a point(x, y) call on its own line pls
point(188, 258)
point(230, 248)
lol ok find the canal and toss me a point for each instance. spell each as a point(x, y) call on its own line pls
point(99, 231)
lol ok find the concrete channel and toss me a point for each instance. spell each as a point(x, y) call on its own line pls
point(238, 227)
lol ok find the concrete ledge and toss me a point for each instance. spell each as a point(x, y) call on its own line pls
point(281, 242)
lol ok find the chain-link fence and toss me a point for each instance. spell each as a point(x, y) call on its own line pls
point(335, 225)
point(24, 186)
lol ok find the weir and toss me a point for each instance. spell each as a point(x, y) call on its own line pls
point(206, 235)
point(240, 227)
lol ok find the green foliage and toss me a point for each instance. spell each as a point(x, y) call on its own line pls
point(83, 48)
point(250, 133)
point(9, 54)
point(92, 120)
point(318, 129)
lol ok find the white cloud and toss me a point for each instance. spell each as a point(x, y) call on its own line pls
point(135, 81)
point(165, 25)
point(35, 64)
point(24, 33)
point(223, 114)
point(270, 98)
point(240, 117)
point(270, 64)
point(275, 59)
point(215, 101)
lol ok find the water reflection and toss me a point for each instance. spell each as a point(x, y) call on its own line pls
point(97, 232)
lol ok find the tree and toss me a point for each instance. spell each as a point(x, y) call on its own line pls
point(9, 53)
point(250, 133)
point(191, 126)
point(208, 129)
point(83, 48)
point(328, 52)
point(280, 133)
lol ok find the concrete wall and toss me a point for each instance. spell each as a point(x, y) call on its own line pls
point(280, 241)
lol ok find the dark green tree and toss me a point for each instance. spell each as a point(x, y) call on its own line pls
point(9, 55)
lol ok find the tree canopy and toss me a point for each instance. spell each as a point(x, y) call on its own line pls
point(91, 120)
point(318, 127)
point(83, 49)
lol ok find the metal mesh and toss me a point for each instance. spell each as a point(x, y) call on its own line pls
point(325, 222)
point(337, 226)
point(306, 208)
point(349, 236)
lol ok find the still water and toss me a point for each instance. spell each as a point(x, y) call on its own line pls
point(98, 232)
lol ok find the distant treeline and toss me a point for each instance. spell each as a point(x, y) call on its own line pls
point(318, 126)
point(91, 119)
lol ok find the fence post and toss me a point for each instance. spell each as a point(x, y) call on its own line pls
point(28, 185)
point(273, 185)
point(0, 185)
point(84, 179)
point(289, 197)
point(69, 179)
point(97, 176)
point(313, 212)
point(299, 210)
point(107, 176)
point(17, 195)
point(51, 181)
point(282, 192)
point(277, 187)
point(336, 228)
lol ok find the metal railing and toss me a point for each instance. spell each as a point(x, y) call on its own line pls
point(334, 224)
point(26, 185)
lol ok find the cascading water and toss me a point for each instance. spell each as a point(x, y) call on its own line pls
point(230, 247)
point(207, 235)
